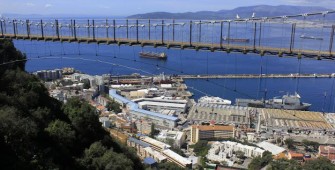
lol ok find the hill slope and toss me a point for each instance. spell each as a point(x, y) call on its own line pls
point(243, 12)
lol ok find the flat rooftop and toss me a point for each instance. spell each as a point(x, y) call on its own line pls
point(213, 127)
point(134, 106)
point(176, 157)
point(155, 142)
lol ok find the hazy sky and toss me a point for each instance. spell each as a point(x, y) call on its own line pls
point(128, 7)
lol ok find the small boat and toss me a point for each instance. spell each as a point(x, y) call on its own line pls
point(162, 56)
point(310, 37)
point(236, 39)
point(214, 100)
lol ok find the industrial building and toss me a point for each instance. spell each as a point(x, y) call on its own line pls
point(156, 104)
point(211, 132)
point(294, 119)
point(221, 114)
point(160, 120)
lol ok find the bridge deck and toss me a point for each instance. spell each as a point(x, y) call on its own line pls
point(262, 50)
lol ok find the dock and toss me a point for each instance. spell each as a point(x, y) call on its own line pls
point(255, 76)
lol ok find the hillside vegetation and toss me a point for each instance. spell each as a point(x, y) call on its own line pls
point(39, 132)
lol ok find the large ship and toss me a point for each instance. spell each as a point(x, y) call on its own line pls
point(235, 39)
point(214, 100)
point(310, 37)
point(288, 102)
point(162, 56)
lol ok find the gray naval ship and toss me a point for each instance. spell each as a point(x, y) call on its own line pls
point(288, 102)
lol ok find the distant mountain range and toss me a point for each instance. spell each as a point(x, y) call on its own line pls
point(243, 12)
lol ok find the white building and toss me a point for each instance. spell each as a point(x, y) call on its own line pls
point(176, 136)
point(105, 121)
point(177, 159)
point(155, 144)
point(160, 120)
point(162, 104)
point(274, 149)
point(249, 151)
point(149, 152)
point(224, 151)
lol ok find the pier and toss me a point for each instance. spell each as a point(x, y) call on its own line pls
point(255, 76)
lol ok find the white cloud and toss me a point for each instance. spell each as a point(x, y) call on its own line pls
point(47, 5)
point(30, 4)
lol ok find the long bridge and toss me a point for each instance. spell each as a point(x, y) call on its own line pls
point(309, 35)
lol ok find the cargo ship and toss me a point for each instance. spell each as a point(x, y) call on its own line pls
point(236, 39)
point(214, 100)
point(161, 56)
point(287, 102)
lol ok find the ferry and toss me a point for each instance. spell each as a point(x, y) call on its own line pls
point(161, 56)
point(214, 100)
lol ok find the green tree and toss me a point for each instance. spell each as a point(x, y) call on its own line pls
point(37, 132)
point(321, 163)
point(201, 147)
point(239, 154)
point(8, 54)
point(310, 144)
point(260, 162)
point(61, 131)
point(284, 164)
point(169, 166)
point(113, 106)
point(289, 143)
point(152, 130)
point(87, 83)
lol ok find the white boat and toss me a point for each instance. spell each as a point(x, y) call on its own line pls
point(310, 37)
point(214, 100)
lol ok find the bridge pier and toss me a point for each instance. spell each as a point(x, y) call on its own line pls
point(137, 31)
point(199, 31)
point(57, 29)
point(127, 26)
point(14, 28)
point(331, 41)
point(228, 38)
point(173, 22)
point(1, 28)
point(149, 28)
point(42, 31)
point(292, 37)
point(114, 27)
point(221, 34)
point(162, 31)
point(255, 34)
point(74, 30)
point(93, 30)
point(190, 33)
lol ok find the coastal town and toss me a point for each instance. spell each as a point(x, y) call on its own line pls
point(157, 116)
